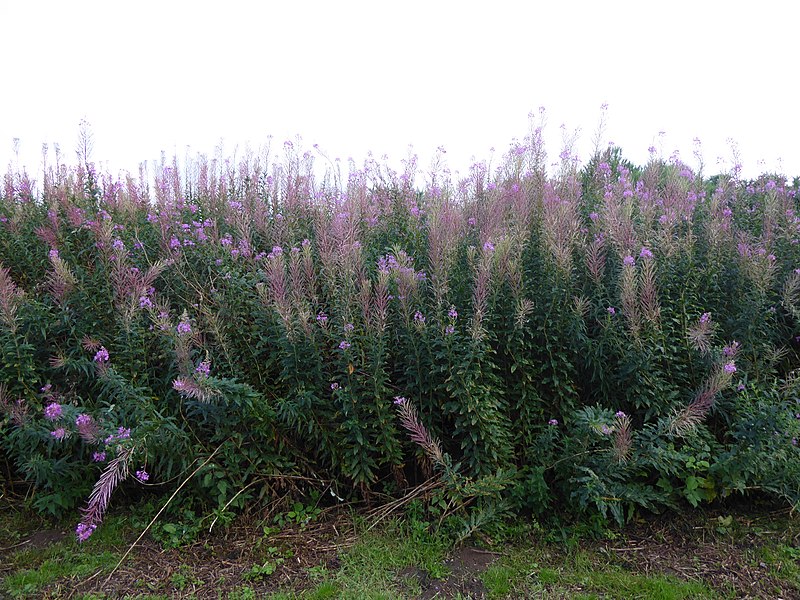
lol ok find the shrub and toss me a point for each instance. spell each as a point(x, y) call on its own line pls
point(605, 339)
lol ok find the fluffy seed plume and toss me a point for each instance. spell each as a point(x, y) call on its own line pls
point(623, 439)
point(650, 308)
point(115, 473)
point(418, 432)
point(700, 333)
point(10, 296)
point(687, 419)
point(61, 280)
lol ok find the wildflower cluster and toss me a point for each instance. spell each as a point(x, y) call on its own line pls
point(567, 337)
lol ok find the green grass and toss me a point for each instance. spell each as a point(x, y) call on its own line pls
point(58, 562)
point(783, 562)
point(533, 571)
point(65, 562)
point(369, 568)
point(374, 567)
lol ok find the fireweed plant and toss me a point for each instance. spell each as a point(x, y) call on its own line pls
point(603, 338)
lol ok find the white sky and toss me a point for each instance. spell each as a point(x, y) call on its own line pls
point(380, 75)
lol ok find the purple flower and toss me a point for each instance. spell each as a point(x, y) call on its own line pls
point(400, 400)
point(52, 411)
point(488, 247)
point(276, 251)
point(553, 422)
point(419, 318)
point(344, 345)
point(322, 318)
point(349, 327)
point(60, 434)
point(334, 386)
point(53, 254)
point(594, 216)
point(452, 313)
point(99, 456)
point(471, 222)
point(102, 355)
point(84, 531)
point(204, 368)
point(628, 261)
point(730, 367)
point(705, 317)
point(620, 415)
point(731, 349)
point(605, 429)
point(142, 475)
point(611, 310)
point(449, 330)
point(740, 387)
point(184, 328)
point(83, 420)
point(645, 253)
point(123, 434)
point(145, 302)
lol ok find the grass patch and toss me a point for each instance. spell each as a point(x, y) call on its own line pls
point(402, 560)
point(59, 562)
point(782, 561)
point(658, 587)
point(31, 569)
point(537, 571)
point(369, 569)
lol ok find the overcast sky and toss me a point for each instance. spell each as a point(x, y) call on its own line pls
point(380, 75)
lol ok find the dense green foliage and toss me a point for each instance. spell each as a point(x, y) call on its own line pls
point(598, 340)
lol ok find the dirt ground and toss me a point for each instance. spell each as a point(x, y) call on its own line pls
point(687, 548)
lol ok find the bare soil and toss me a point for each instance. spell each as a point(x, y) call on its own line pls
point(688, 548)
